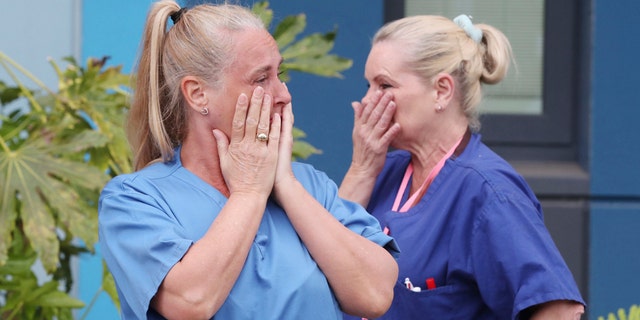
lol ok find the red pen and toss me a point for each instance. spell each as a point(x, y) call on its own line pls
point(431, 283)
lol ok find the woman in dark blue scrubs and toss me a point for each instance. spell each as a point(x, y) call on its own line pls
point(470, 230)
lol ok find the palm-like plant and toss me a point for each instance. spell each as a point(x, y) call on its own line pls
point(59, 149)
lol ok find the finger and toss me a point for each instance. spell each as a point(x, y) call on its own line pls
point(386, 117)
point(283, 124)
point(379, 108)
point(265, 116)
point(369, 105)
point(253, 115)
point(274, 133)
point(221, 141)
point(237, 127)
point(357, 110)
point(390, 134)
point(287, 121)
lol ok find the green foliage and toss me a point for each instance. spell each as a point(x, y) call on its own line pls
point(309, 54)
point(59, 148)
point(634, 314)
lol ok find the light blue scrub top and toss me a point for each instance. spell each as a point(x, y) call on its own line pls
point(478, 233)
point(148, 220)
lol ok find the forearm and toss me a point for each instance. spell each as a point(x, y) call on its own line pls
point(558, 310)
point(361, 273)
point(357, 186)
point(200, 282)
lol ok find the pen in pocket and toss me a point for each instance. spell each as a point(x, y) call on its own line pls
point(431, 283)
point(409, 285)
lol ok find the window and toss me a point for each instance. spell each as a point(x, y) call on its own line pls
point(537, 114)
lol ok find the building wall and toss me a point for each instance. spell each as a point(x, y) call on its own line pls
point(30, 37)
point(614, 276)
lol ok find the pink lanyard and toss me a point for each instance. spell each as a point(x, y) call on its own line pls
point(405, 181)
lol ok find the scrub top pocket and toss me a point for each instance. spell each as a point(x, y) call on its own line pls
point(451, 300)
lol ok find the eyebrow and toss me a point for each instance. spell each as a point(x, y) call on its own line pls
point(381, 78)
point(266, 68)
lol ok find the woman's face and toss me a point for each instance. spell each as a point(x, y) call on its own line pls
point(256, 63)
point(387, 71)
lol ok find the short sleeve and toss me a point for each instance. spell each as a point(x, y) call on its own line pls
point(350, 214)
point(513, 255)
point(139, 240)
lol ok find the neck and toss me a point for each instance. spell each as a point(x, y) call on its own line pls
point(429, 153)
point(200, 156)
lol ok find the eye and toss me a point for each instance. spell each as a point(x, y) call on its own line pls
point(261, 79)
point(385, 86)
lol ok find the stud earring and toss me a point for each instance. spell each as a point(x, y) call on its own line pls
point(204, 111)
point(439, 108)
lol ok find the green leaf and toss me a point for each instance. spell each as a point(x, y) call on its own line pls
point(109, 285)
point(303, 150)
point(56, 299)
point(37, 177)
point(8, 94)
point(327, 66)
point(261, 9)
point(310, 46)
point(288, 29)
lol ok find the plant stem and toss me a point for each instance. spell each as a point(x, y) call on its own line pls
point(91, 303)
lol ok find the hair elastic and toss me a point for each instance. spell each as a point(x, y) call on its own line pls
point(464, 22)
point(175, 17)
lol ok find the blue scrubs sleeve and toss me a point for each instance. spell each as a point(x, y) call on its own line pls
point(140, 241)
point(513, 255)
point(350, 214)
point(363, 223)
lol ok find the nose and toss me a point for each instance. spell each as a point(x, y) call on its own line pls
point(371, 94)
point(281, 95)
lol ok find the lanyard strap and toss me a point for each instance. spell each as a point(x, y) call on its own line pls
point(405, 181)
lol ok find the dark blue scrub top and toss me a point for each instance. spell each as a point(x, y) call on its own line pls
point(478, 232)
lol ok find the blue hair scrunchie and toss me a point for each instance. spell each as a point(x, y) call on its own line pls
point(464, 22)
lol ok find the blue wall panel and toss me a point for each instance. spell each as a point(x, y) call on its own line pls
point(614, 280)
point(615, 155)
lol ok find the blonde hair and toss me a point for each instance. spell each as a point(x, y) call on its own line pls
point(436, 44)
point(198, 44)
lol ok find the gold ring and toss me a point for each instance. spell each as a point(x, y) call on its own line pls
point(262, 137)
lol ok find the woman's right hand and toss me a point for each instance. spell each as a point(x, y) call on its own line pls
point(247, 163)
point(373, 131)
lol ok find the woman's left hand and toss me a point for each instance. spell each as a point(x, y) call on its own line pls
point(284, 173)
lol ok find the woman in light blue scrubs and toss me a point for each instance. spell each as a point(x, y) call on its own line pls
point(474, 245)
point(217, 222)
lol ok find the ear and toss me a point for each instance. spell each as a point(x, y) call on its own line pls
point(444, 87)
point(193, 91)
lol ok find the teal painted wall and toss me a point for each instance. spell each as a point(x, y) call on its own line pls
point(110, 28)
point(614, 279)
